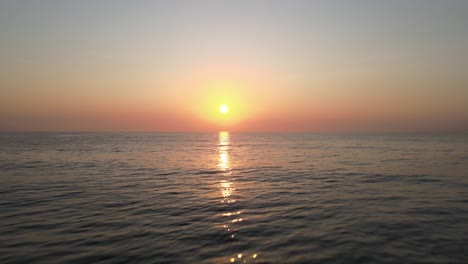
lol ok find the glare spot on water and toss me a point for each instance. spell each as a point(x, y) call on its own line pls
point(226, 185)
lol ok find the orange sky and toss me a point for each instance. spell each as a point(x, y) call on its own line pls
point(279, 65)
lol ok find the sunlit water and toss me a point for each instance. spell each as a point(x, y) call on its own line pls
point(233, 197)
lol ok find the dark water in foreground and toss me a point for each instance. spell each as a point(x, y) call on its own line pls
point(244, 198)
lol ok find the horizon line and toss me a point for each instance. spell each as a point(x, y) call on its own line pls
point(218, 131)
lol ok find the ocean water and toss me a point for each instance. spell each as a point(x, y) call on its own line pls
point(233, 197)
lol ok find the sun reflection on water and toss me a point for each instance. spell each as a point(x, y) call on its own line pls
point(223, 148)
point(226, 185)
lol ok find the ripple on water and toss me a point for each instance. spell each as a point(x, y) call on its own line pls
point(232, 198)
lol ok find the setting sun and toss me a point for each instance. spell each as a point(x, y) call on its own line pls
point(223, 108)
point(213, 120)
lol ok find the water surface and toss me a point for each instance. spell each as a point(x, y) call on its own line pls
point(233, 197)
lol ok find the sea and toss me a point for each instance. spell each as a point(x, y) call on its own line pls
point(233, 198)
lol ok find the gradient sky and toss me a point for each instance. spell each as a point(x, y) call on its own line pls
point(336, 66)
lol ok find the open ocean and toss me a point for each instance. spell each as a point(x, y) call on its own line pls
point(233, 197)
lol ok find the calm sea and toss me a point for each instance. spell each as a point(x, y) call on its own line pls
point(233, 197)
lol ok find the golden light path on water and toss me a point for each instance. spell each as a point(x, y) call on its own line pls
point(227, 188)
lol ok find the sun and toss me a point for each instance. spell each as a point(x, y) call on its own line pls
point(223, 108)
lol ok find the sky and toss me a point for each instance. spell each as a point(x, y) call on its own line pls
point(280, 66)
